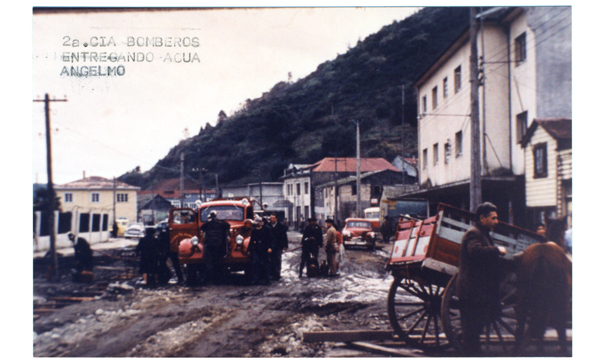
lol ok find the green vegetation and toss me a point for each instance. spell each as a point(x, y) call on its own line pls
point(303, 122)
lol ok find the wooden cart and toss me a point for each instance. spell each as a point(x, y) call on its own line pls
point(422, 301)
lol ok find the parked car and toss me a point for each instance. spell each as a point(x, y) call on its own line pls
point(122, 226)
point(359, 232)
point(135, 230)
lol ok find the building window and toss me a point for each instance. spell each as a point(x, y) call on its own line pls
point(435, 154)
point(68, 197)
point(95, 197)
point(424, 104)
point(520, 48)
point(353, 189)
point(447, 152)
point(540, 160)
point(306, 188)
point(458, 143)
point(306, 211)
point(424, 159)
point(434, 98)
point(521, 125)
point(122, 197)
point(445, 87)
point(457, 79)
point(298, 189)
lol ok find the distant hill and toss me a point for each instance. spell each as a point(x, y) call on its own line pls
point(305, 121)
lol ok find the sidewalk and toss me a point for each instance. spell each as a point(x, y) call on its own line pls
point(110, 244)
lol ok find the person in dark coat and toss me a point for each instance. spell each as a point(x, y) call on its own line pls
point(83, 254)
point(280, 244)
point(166, 253)
point(260, 247)
point(149, 250)
point(216, 238)
point(479, 277)
point(312, 239)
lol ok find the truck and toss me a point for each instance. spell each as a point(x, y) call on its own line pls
point(185, 236)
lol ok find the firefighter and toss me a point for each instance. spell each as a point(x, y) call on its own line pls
point(216, 236)
point(260, 248)
point(312, 239)
point(280, 244)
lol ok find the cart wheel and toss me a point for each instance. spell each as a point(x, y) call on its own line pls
point(416, 316)
point(499, 334)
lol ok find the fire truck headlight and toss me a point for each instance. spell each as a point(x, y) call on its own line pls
point(239, 239)
point(195, 241)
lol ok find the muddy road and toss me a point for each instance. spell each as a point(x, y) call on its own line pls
point(228, 320)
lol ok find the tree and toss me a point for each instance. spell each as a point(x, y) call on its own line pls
point(42, 200)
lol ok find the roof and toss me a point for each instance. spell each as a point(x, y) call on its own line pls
point(349, 165)
point(96, 182)
point(558, 128)
point(156, 202)
point(169, 188)
point(352, 179)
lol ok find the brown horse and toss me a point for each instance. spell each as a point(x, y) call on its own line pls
point(543, 283)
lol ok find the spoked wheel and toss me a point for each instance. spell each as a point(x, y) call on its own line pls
point(416, 315)
point(498, 336)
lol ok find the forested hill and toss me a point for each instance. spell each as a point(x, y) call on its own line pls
point(304, 121)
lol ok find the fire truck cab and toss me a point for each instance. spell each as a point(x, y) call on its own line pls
point(186, 237)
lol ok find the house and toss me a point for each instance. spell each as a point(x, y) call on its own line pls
point(269, 194)
point(299, 182)
point(371, 188)
point(89, 207)
point(153, 208)
point(297, 194)
point(170, 189)
point(525, 62)
point(548, 169)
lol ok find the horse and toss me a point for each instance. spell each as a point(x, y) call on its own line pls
point(544, 283)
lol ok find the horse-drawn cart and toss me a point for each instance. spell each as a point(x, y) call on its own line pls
point(422, 304)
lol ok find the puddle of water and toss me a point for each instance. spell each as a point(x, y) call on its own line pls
point(353, 284)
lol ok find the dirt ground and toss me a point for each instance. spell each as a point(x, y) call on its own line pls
point(228, 320)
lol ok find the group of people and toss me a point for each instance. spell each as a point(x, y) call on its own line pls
point(312, 241)
point(268, 241)
point(154, 251)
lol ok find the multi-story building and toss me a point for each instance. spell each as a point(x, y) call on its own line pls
point(88, 208)
point(524, 55)
point(300, 181)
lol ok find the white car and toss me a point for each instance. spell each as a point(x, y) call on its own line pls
point(135, 230)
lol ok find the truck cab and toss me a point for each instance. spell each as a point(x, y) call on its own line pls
point(186, 237)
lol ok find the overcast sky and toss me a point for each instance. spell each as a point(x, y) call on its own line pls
point(111, 124)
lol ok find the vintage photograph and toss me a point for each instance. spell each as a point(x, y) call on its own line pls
point(302, 182)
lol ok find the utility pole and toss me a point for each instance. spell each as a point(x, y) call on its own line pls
point(475, 185)
point(114, 200)
point(54, 269)
point(403, 153)
point(181, 195)
point(358, 209)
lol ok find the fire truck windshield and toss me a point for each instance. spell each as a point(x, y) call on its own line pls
point(224, 212)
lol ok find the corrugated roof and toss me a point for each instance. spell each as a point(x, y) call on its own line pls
point(96, 182)
point(349, 165)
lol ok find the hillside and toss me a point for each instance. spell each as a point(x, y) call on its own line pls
point(304, 121)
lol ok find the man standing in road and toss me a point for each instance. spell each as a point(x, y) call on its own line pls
point(280, 244)
point(479, 277)
point(331, 246)
point(216, 237)
point(260, 248)
point(312, 239)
